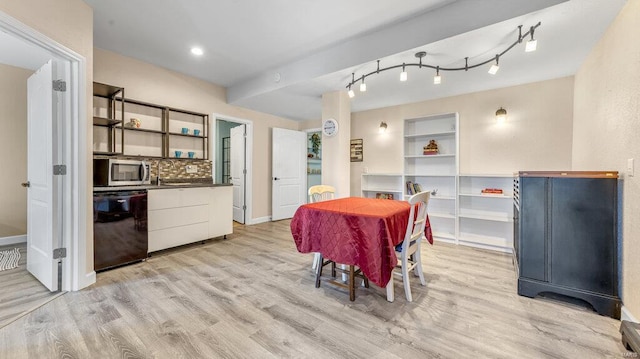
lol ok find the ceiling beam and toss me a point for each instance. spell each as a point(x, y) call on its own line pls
point(453, 19)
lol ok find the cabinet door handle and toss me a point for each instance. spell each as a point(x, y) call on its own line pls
point(275, 178)
point(26, 184)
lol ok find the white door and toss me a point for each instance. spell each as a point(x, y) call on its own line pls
point(238, 170)
point(40, 238)
point(289, 170)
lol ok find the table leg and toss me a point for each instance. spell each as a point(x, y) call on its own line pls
point(319, 271)
point(352, 286)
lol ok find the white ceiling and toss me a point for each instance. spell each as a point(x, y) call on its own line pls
point(314, 46)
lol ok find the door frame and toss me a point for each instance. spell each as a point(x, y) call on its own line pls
point(73, 218)
point(248, 185)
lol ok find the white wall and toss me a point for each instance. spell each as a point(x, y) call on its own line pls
point(13, 147)
point(606, 129)
point(536, 136)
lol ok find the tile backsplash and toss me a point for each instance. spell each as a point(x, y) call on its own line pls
point(177, 169)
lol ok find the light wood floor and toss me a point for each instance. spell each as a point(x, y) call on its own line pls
point(20, 292)
point(253, 296)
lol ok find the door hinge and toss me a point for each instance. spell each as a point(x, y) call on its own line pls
point(59, 253)
point(59, 85)
point(244, 208)
point(244, 171)
point(59, 170)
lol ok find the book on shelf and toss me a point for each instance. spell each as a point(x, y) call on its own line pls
point(413, 188)
point(384, 195)
point(410, 188)
point(492, 191)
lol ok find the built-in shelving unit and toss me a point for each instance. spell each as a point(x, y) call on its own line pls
point(485, 219)
point(382, 185)
point(437, 172)
point(141, 129)
point(107, 119)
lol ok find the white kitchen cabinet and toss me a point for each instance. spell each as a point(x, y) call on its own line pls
point(220, 211)
point(184, 215)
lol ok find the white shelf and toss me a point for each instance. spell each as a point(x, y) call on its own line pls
point(446, 198)
point(431, 156)
point(441, 215)
point(487, 175)
point(382, 174)
point(503, 196)
point(428, 175)
point(427, 134)
point(394, 190)
point(486, 217)
point(487, 240)
point(313, 160)
point(445, 235)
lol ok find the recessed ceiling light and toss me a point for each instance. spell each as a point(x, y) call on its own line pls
point(197, 51)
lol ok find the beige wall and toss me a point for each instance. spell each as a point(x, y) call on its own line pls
point(145, 82)
point(70, 23)
point(607, 129)
point(536, 136)
point(13, 146)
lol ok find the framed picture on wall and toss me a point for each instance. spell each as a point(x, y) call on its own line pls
point(356, 150)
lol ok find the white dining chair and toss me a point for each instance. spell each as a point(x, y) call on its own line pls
point(320, 193)
point(408, 251)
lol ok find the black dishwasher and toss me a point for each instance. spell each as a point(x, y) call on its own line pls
point(119, 228)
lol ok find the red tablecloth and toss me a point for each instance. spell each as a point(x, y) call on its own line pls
point(356, 231)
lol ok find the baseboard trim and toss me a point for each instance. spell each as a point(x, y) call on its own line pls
point(89, 279)
point(626, 315)
point(5, 241)
point(260, 220)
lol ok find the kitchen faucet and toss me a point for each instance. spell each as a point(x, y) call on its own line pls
point(173, 165)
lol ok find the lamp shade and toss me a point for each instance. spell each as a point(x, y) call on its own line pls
point(501, 115)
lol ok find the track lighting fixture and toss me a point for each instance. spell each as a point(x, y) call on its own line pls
point(351, 93)
point(437, 79)
point(403, 74)
point(495, 67)
point(532, 44)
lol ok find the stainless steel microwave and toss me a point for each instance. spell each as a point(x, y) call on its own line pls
point(117, 172)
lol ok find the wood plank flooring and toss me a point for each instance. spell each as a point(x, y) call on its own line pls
point(20, 292)
point(253, 296)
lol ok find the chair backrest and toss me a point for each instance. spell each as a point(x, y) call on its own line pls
point(321, 193)
point(417, 218)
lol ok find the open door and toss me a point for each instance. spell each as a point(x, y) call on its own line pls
point(289, 169)
point(40, 200)
point(238, 171)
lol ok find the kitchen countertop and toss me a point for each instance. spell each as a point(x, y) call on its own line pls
point(166, 185)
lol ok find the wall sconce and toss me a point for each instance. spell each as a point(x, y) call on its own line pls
point(501, 115)
point(383, 127)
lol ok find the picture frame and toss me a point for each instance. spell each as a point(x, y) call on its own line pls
point(356, 153)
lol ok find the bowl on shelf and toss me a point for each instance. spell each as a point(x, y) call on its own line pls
point(185, 130)
point(196, 132)
point(178, 154)
point(191, 154)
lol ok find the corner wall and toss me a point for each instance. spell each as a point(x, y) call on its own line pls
point(536, 136)
point(606, 129)
point(13, 147)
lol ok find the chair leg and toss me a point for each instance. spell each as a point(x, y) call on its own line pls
point(418, 268)
point(333, 269)
point(366, 282)
point(405, 278)
point(390, 294)
point(352, 285)
point(319, 270)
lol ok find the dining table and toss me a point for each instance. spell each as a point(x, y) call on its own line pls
point(355, 231)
